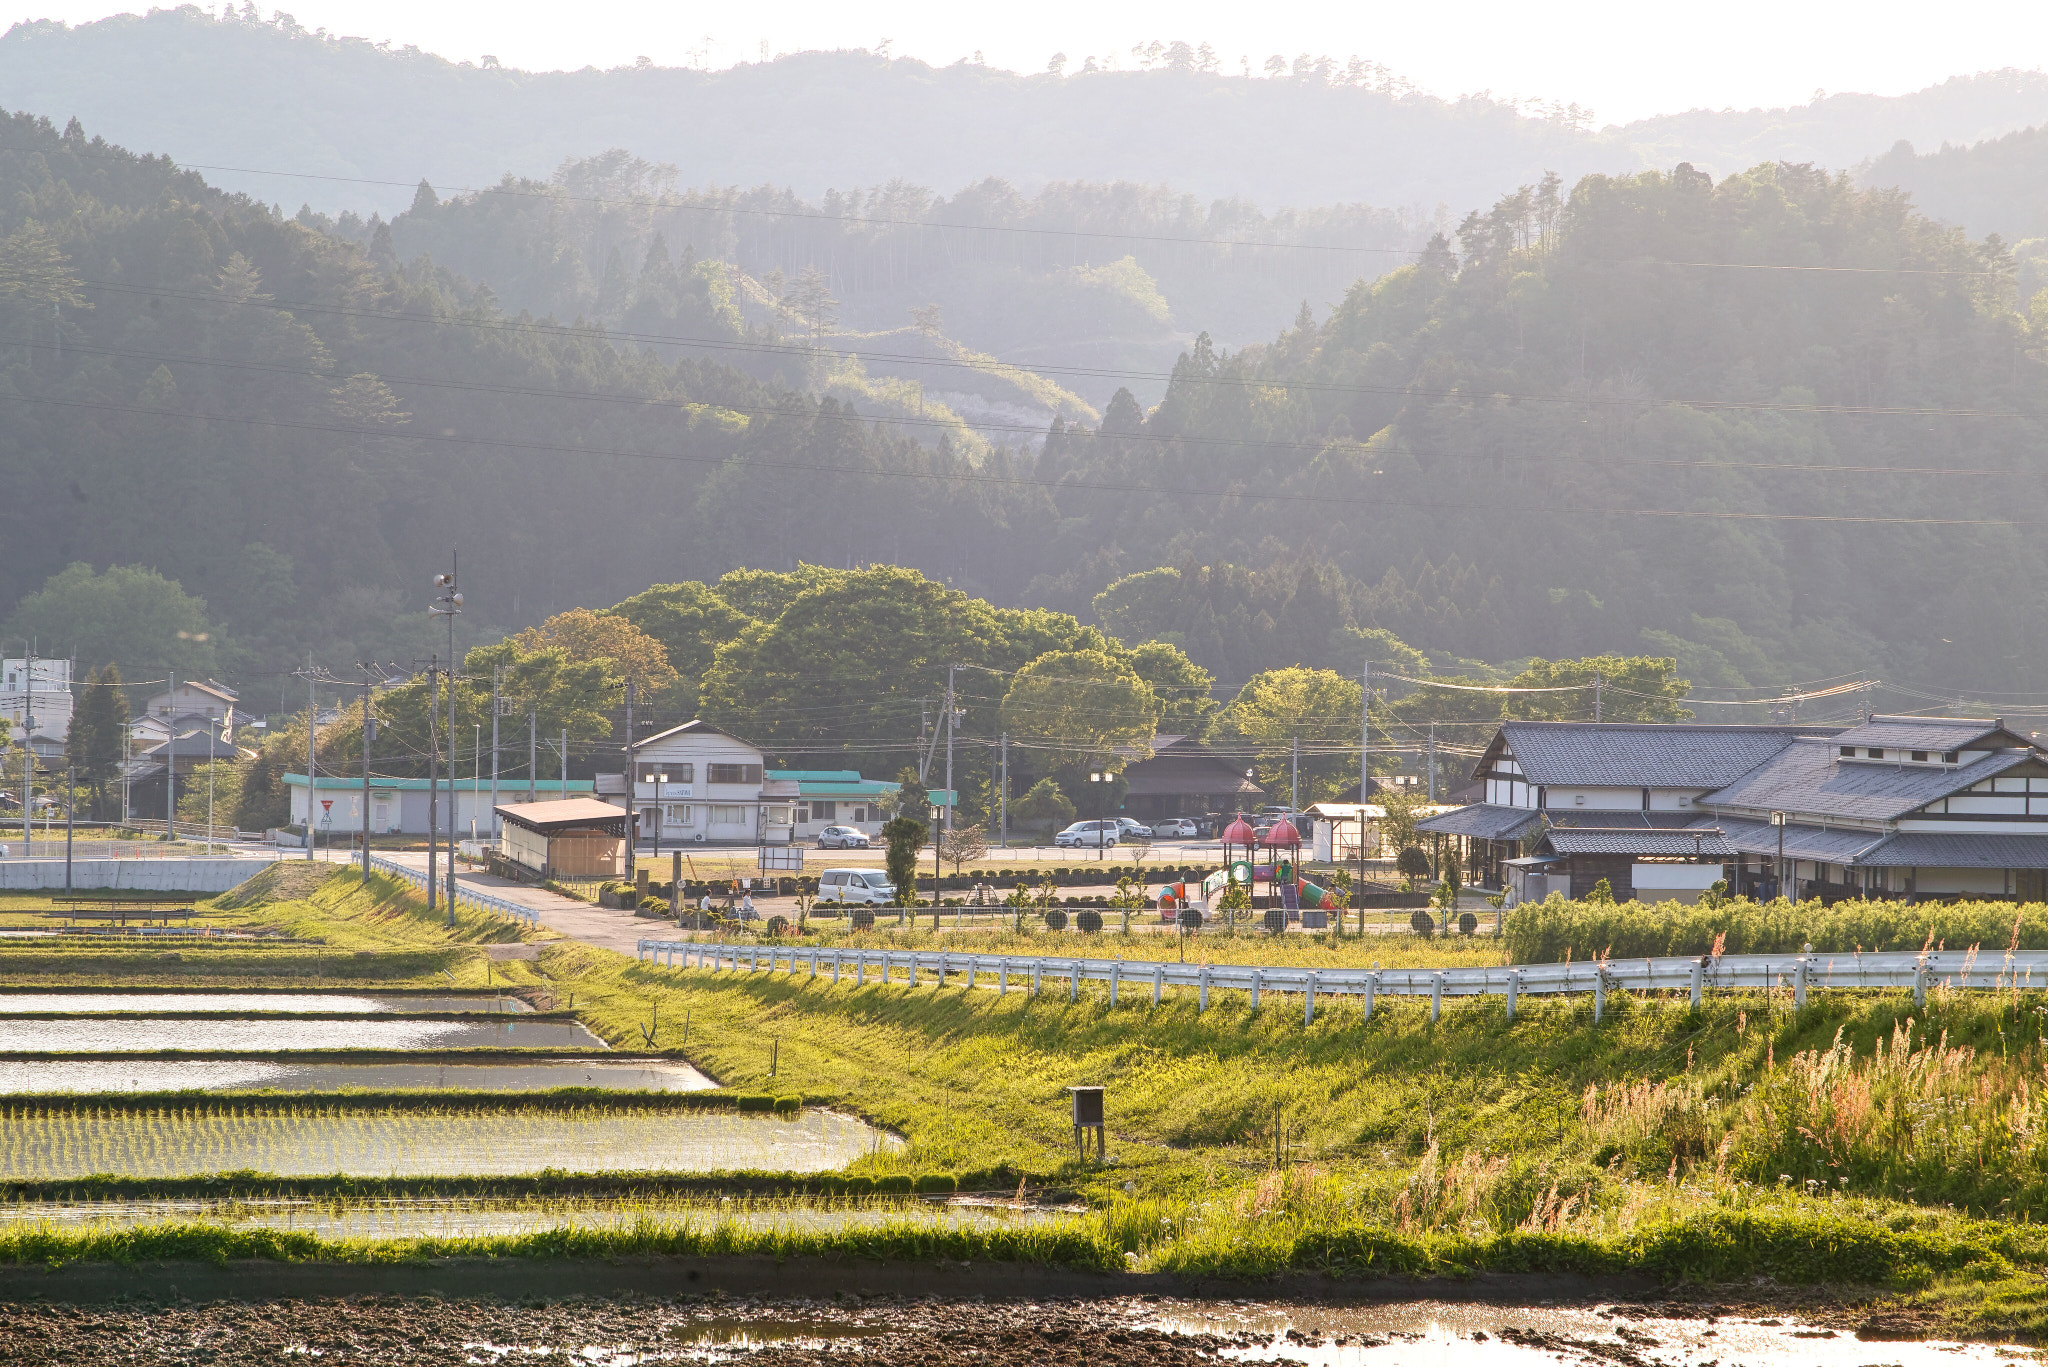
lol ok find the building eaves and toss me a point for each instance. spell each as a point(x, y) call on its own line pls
point(1650, 843)
point(1481, 821)
point(1643, 755)
point(1934, 849)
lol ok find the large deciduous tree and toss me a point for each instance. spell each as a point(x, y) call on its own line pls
point(1081, 706)
point(1316, 707)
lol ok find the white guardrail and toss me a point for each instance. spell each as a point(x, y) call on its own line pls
point(1964, 970)
point(482, 901)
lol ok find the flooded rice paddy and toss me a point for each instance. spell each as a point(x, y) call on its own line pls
point(33, 1077)
point(456, 1217)
point(121, 1036)
point(293, 1003)
point(405, 1143)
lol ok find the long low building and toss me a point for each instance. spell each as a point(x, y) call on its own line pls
point(1895, 807)
point(399, 805)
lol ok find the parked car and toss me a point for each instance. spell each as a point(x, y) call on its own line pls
point(856, 885)
point(842, 838)
point(1176, 827)
point(1092, 835)
point(1137, 830)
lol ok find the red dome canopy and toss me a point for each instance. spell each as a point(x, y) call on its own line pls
point(1283, 833)
point(1238, 832)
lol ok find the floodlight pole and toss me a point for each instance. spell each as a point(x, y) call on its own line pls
point(312, 784)
point(633, 794)
point(369, 736)
point(71, 801)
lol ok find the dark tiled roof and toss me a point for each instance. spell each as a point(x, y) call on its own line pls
point(1643, 755)
point(1917, 849)
point(1929, 733)
point(1573, 818)
point(1480, 821)
point(1805, 778)
point(1830, 845)
point(1639, 842)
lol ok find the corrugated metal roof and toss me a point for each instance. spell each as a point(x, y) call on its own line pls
point(1830, 845)
point(1927, 733)
point(1481, 822)
point(1805, 778)
point(1918, 849)
point(567, 813)
point(1643, 755)
point(1639, 842)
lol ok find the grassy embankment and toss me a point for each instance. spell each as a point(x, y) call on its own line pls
point(1860, 1139)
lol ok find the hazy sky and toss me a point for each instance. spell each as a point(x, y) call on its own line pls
point(1624, 60)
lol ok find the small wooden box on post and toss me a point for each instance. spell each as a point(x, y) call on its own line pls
point(1088, 1116)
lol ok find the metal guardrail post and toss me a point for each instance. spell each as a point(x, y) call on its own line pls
point(1514, 991)
point(1699, 981)
point(1372, 985)
point(1436, 997)
point(1203, 1002)
point(1158, 981)
point(1258, 981)
point(860, 968)
point(940, 985)
point(1599, 994)
point(1116, 973)
point(1003, 978)
point(1037, 969)
point(1308, 1010)
point(1799, 985)
point(1073, 980)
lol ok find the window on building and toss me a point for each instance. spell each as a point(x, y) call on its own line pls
point(860, 814)
point(1948, 756)
point(778, 816)
point(1920, 757)
point(732, 773)
point(678, 815)
point(727, 815)
point(824, 811)
point(1848, 752)
point(1873, 753)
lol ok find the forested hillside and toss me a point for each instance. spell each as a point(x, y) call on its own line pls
point(1999, 185)
point(1581, 424)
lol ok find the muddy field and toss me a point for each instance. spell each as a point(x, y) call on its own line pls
point(893, 1331)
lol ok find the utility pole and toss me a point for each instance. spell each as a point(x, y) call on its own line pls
point(564, 793)
point(433, 773)
point(1597, 683)
point(532, 750)
point(212, 745)
point(312, 781)
point(1003, 796)
point(369, 737)
point(171, 764)
point(951, 717)
point(1294, 779)
point(1364, 743)
point(496, 670)
point(70, 801)
point(633, 793)
point(28, 755)
point(1432, 762)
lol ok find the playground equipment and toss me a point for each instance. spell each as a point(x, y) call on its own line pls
point(1242, 865)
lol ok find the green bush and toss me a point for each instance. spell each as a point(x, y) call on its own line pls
point(788, 1105)
point(1412, 862)
point(933, 1182)
point(754, 1101)
point(898, 1185)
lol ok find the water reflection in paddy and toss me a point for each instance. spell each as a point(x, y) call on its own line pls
point(292, 1142)
point(42, 1076)
point(295, 1003)
point(453, 1217)
point(226, 1036)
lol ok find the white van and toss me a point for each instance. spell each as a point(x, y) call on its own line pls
point(871, 886)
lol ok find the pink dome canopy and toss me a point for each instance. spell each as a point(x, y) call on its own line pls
point(1238, 832)
point(1283, 833)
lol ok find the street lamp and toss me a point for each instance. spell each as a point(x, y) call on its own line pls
point(660, 777)
point(1778, 820)
point(448, 603)
point(1101, 796)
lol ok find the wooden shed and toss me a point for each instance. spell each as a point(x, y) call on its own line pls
point(576, 838)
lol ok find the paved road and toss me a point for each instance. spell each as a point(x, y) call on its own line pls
point(566, 916)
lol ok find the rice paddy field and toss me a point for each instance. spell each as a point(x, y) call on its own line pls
point(1862, 1149)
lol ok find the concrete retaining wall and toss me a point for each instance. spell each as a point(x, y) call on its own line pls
point(133, 875)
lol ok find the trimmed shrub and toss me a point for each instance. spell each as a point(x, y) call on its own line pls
point(857, 1186)
point(898, 1185)
point(788, 1105)
point(754, 1101)
point(937, 1182)
point(1412, 862)
point(1089, 921)
point(1055, 919)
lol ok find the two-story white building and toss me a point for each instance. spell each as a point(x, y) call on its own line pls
point(42, 689)
point(696, 784)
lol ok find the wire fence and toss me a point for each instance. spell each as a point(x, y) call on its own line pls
point(1797, 974)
